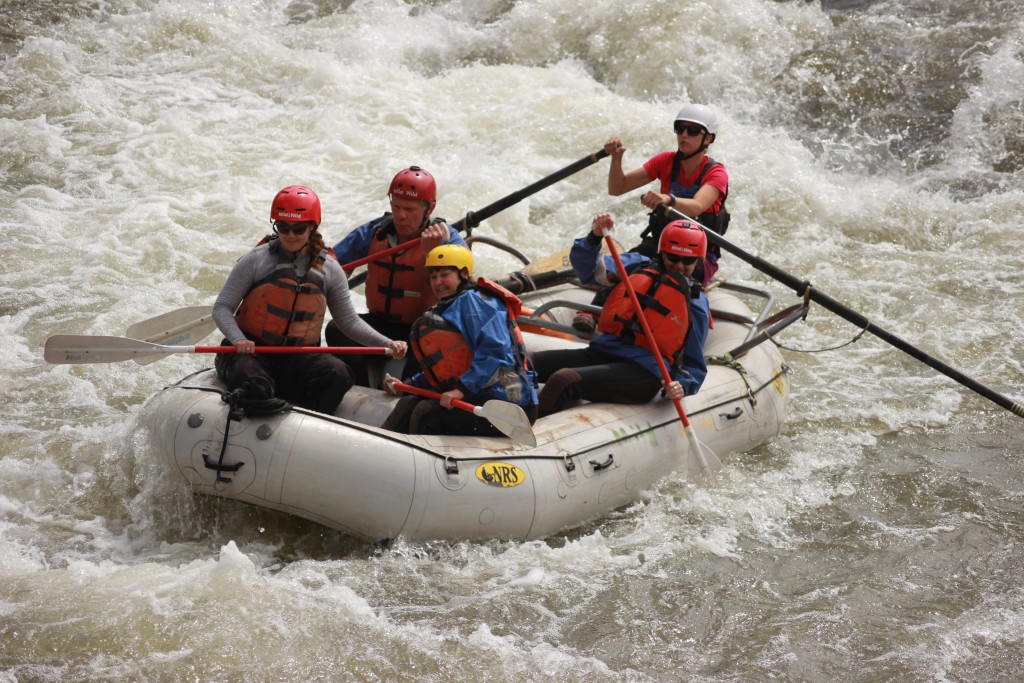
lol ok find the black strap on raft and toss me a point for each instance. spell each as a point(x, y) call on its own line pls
point(238, 408)
point(235, 413)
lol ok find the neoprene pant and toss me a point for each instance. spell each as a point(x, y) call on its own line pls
point(573, 374)
point(316, 381)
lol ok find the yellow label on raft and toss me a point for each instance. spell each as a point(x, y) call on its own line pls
point(779, 383)
point(500, 474)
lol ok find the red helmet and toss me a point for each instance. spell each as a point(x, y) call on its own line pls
point(415, 183)
point(683, 238)
point(296, 203)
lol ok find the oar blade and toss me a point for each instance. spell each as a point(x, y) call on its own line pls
point(183, 327)
point(510, 420)
point(699, 457)
point(557, 261)
point(71, 349)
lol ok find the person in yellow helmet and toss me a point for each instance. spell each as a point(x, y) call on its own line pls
point(469, 347)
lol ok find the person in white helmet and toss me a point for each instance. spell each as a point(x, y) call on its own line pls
point(688, 180)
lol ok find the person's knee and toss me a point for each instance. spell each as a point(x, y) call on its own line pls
point(398, 419)
point(426, 418)
point(558, 391)
point(325, 383)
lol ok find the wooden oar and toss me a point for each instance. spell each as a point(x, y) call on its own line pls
point(507, 418)
point(804, 288)
point(74, 349)
point(699, 456)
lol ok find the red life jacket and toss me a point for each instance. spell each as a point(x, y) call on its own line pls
point(442, 351)
point(284, 309)
point(665, 303)
point(397, 287)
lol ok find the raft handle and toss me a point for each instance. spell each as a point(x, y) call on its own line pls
point(598, 466)
point(733, 415)
point(220, 466)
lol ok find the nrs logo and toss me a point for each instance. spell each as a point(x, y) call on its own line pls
point(500, 474)
point(779, 383)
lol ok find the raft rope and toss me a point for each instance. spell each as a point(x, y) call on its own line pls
point(823, 350)
point(566, 457)
point(728, 361)
point(236, 402)
point(784, 370)
point(807, 303)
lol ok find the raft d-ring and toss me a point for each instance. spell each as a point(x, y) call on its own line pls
point(451, 466)
point(570, 466)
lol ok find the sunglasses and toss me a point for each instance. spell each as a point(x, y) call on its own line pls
point(685, 260)
point(299, 229)
point(693, 129)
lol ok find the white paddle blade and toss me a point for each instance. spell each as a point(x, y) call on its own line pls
point(509, 419)
point(183, 327)
point(72, 349)
point(699, 458)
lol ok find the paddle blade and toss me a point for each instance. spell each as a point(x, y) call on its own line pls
point(509, 419)
point(557, 261)
point(71, 349)
point(699, 457)
point(183, 327)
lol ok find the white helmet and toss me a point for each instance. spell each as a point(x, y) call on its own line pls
point(700, 113)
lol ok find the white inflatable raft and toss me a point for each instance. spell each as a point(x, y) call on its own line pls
point(345, 472)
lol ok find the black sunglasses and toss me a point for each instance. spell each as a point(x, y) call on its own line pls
point(299, 229)
point(692, 129)
point(686, 260)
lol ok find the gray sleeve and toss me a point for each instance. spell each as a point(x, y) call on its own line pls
point(238, 284)
point(339, 303)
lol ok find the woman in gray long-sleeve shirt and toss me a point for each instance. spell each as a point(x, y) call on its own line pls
point(278, 295)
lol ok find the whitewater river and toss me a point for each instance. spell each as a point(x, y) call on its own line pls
point(876, 149)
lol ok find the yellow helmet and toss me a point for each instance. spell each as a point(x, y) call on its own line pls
point(450, 256)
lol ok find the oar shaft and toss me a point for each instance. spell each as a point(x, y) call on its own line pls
point(79, 349)
point(347, 350)
point(427, 393)
point(646, 327)
point(804, 288)
point(352, 265)
point(473, 218)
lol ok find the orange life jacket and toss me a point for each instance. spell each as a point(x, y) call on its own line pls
point(442, 351)
point(284, 309)
point(665, 303)
point(397, 287)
